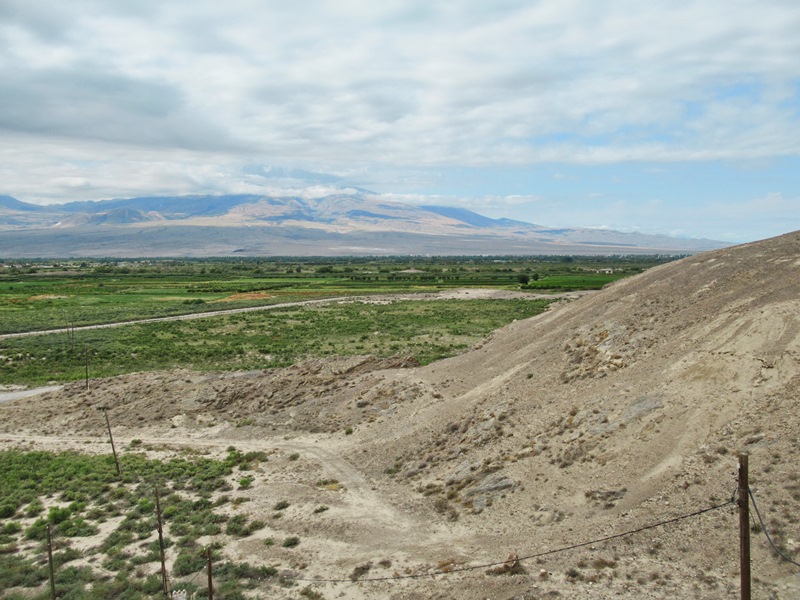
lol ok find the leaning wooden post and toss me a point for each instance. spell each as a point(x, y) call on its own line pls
point(50, 564)
point(744, 526)
point(161, 546)
point(86, 365)
point(208, 566)
point(111, 437)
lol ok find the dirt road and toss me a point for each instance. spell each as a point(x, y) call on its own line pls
point(7, 396)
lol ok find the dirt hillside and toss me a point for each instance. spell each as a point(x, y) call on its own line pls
point(601, 416)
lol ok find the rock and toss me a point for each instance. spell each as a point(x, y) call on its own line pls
point(491, 484)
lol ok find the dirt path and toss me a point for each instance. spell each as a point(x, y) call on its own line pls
point(460, 294)
point(389, 526)
point(7, 396)
point(362, 492)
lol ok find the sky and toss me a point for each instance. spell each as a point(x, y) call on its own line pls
point(668, 116)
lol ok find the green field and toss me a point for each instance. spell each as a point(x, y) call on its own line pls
point(43, 295)
point(51, 295)
point(427, 330)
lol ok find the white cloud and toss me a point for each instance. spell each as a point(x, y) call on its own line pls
point(177, 97)
point(418, 83)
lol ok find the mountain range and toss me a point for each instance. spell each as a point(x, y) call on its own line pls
point(348, 222)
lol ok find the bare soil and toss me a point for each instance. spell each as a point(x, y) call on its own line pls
point(601, 416)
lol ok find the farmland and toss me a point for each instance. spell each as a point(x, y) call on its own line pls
point(47, 295)
point(40, 296)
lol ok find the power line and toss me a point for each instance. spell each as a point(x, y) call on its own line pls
point(531, 556)
point(766, 531)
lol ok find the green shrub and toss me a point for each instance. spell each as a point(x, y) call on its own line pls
point(188, 562)
point(236, 525)
point(76, 528)
point(57, 515)
point(37, 531)
point(10, 528)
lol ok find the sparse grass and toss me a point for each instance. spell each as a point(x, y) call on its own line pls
point(360, 571)
point(329, 484)
point(291, 542)
point(86, 491)
point(309, 593)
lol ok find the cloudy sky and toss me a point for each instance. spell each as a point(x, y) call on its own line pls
point(670, 116)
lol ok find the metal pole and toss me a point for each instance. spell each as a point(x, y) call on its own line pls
point(744, 526)
point(50, 563)
point(161, 546)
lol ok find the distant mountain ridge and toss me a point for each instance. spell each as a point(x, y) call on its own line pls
point(348, 222)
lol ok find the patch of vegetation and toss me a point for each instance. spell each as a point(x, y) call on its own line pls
point(84, 490)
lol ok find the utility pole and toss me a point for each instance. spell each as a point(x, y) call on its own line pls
point(86, 364)
point(161, 546)
point(744, 526)
point(50, 564)
point(111, 438)
point(208, 566)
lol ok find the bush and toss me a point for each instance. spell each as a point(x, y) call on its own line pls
point(37, 531)
point(76, 528)
point(10, 528)
point(188, 563)
point(291, 542)
point(236, 526)
point(58, 515)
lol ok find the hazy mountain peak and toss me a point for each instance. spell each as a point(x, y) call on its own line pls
point(340, 222)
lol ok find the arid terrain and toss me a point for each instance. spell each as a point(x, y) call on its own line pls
point(606, 414)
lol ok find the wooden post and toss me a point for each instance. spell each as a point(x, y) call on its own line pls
point(744, 526)
point(208, 566)
point(111, 437)
point(86, 363)
point(50, 564)
point(161, 546)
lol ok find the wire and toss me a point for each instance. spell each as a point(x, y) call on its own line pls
point(766, 532)
point(523, 558)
